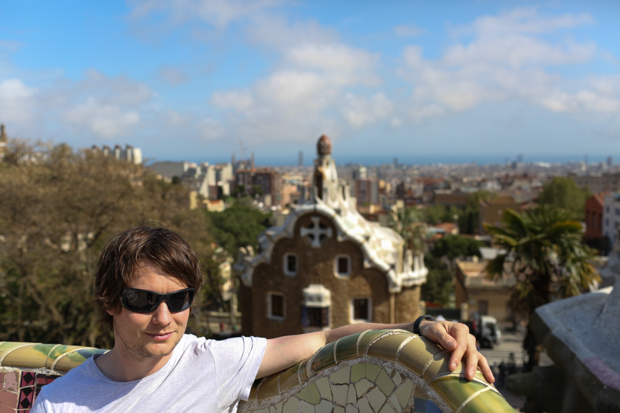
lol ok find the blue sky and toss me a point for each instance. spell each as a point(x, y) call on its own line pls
point(190, 79)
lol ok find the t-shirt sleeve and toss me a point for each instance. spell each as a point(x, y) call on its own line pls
point(237, 361)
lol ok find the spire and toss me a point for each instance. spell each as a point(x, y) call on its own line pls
point(3, 137)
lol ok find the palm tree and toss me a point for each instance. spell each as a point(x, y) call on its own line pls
point(545, 252)
point(408, 223)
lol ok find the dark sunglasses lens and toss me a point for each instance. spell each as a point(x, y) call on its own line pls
point(141, 301)
point(180, 301)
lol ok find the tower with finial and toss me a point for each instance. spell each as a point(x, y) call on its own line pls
point(325, 176)
point(3, 141)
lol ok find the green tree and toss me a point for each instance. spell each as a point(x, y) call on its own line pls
point(238, 226)
point(58, 208)
point(545, 252)
point(408, 224)
point(469, 219)
point(435, 214)
point(456, 246)
point(563, 192)
point(439, 285)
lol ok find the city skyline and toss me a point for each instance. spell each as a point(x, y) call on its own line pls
point(459, 82)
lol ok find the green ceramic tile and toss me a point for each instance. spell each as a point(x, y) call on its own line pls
point(306, 407)
point(323, 385)
point(397, 378)
point(269, 387)
point(339, 409)
point(347, 347)
point(303, 371)
point(362, 386)
point(364, 406)
point(352, 409)
point(376, 398)
point(310, 393)
point(368, 338)
point(340, 393)
point(385, 383)
point(489, 401)
point(325, 407)
point(341, 376)
point(324, 359)
point(372, 371)
point(395, 402)
point(352, 397)
point(440, 366)
point(416, 353)
point(455, 390)
point(387, 347)
point(404, 392)
point(387, 409)
point(289, 378)
point(74, 358)
point(291, 405)
point(358, 372)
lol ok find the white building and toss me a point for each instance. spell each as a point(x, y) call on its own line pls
point(611, 217)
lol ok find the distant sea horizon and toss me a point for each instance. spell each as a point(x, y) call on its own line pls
point(370, 160)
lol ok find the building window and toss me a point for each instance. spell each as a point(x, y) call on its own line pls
point(361, 310)
point(291, 264)
point(316, 308)
point(342, 265)
point(275, 306)
point(316, 317)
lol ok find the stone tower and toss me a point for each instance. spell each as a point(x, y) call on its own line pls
point(3, 141)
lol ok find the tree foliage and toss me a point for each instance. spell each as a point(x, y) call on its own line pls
point(439, 284)
point(408, 224)
point(456, 246)
point(544, 250)
point(563, 192)
point(58, 209)
point(238, 226)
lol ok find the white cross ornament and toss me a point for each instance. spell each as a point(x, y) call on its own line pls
point(315, 232)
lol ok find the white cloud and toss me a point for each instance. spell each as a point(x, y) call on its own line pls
point(361, 111)
point(407, 30)
point(506, 59)
point(278, 33)
point(104, 120)
point(16, 101)
point(216, 12)
point(172, 75)
point(522, 21)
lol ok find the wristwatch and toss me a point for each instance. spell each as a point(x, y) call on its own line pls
point(416, 324)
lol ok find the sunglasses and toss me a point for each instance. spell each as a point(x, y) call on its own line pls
point(144, 301)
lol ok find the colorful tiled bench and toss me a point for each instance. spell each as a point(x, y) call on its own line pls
point(377, 371)
point(26, 367)
point(382, 371)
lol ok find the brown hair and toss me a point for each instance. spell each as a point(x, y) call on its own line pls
point(162, 248)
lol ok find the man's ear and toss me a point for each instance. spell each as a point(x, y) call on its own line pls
point(113, 311)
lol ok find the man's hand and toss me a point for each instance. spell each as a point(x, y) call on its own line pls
point(456, 337)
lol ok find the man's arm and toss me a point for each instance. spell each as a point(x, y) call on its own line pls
point(283, 352)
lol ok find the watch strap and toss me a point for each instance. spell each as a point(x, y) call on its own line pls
point(416, 324)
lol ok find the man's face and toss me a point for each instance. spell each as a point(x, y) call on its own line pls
point(155, 334)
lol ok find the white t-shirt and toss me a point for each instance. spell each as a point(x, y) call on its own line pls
point(202, 375)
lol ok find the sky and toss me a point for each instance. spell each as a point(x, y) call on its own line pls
point(199, 80)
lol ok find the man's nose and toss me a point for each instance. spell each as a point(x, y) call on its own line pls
point(161, 315)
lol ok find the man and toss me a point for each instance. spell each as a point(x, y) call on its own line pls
point(145, 283)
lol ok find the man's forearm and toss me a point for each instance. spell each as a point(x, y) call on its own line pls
point(285, 351)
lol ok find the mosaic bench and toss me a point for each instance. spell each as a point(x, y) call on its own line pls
point(382, 371)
